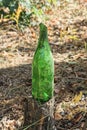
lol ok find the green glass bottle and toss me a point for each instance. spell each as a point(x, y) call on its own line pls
point(43, 68)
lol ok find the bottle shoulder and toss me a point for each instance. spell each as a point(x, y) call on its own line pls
point(43, 53)
point(43, 59)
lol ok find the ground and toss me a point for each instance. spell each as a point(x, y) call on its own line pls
point(67, 33)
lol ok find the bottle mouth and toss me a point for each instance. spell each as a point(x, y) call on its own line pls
point(42, 26)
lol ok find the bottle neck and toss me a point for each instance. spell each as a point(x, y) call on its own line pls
point(43, 39)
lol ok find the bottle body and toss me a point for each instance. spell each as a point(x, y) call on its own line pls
point(43, 72)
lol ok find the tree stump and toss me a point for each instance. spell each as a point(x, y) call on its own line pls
point(38, 116)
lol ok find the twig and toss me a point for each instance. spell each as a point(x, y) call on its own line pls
point(85, 126)
point(77, 78)
point(79, 123)
point(27, 127)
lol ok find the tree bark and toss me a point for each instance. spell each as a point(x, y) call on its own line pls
point(38, 116)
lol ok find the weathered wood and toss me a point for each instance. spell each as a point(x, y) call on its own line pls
point(38, 116)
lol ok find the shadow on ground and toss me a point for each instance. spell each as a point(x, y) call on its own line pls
point(15, 81)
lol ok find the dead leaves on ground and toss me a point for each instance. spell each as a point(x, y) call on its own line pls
point(69, 109)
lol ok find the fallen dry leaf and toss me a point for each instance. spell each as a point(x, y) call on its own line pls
point(77, 98)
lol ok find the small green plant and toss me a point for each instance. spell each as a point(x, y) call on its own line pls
point(21, 11)
point(22, 14)
point(11, 4)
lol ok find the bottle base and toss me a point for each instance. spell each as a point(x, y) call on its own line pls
point(41, 100)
